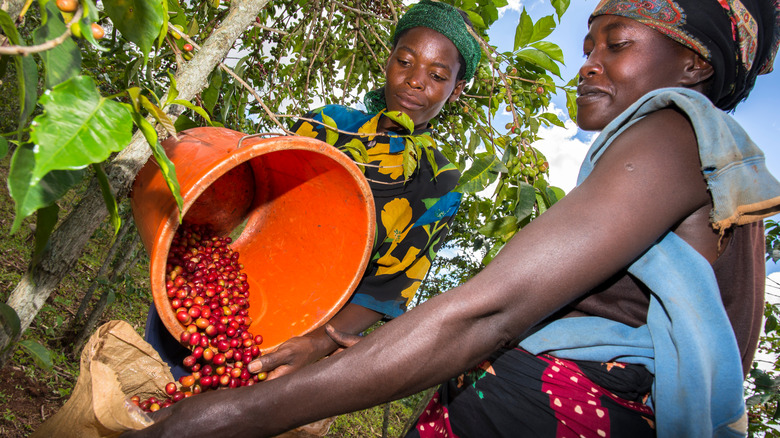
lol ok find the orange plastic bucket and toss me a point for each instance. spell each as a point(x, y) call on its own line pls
point(307, 214)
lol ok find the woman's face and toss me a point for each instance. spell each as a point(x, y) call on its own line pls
point(421, 75)
point(625, 60)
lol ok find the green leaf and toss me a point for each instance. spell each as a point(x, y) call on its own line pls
point(62, 61)
point(543, 28)
point(540, 59)
point(552, 118)
point(193, 107)
point(139, 21)
point(358, 150)
point(10, 319)
point(108, 197)
point(502, 228)
point(167, 167)
point(409, 161)
point(331, 136)
point(479, 176)
point(526, 200)
point(571, 104)
point(210, 95)
point(550, 49)
point(159, 115)
point(45, 221)
point(493, 252)
point(402, 119)
point(560, 7)
point(77, 128)
point(173, 92)
point(524, 30)
point(3, 148)
point(183, 122)
point(500, 3)
point(771, 324)
point(39, 353)
point(28, 196)
point(476, 20)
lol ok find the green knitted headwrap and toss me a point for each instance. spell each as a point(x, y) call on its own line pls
point(444, 19)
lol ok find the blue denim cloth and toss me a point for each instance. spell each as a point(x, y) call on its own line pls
point(688, 341)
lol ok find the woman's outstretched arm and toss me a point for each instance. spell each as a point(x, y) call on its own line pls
point(648, 182)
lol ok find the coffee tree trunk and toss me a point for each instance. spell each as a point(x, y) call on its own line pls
point(73, 233)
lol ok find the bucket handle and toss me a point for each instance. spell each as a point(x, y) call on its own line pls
point(259, 134)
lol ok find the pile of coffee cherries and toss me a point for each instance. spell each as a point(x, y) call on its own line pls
point(209, 294)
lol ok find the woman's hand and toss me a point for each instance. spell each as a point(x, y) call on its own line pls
point(298, 352)
point(292, 356)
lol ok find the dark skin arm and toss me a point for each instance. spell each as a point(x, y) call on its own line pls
point(304, 350)
point(647, 183)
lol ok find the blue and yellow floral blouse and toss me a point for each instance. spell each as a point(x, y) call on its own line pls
point(413, 216)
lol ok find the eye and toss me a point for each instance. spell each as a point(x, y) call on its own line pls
point(437, 77)
point(403, 62)
point(617, 46)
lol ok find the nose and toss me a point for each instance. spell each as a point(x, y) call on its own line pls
point(416, 78)
point(591, 67)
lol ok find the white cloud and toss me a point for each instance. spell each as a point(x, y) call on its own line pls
point(514, 5)
point(564, 151)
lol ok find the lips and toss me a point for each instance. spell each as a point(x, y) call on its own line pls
point(409, 101)
point(589, 93)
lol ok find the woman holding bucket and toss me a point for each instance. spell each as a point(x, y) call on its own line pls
point(432, 59)
point(649, 321)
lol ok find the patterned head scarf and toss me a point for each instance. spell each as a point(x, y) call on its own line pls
point(739, 38)
point(444, 19)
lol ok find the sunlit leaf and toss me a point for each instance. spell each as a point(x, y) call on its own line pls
point(552, 118)
point(77, 128)
point(524, 30)
point(159, 115)
point(402, 119)
point(560, 7)
point(543, 28)
point(331, 136)
point(140, 21)
point(193, 107)
point(493, 252)
point(550, 49)
point(166, 166)
point(540, 59)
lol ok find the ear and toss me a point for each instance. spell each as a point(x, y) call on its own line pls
point(697, 70)
point(459, 86)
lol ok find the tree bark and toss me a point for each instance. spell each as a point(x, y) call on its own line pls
point(73, 233)
point(100, 307)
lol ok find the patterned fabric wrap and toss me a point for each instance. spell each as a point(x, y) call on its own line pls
point(739, 38)
point(413, 215)
point(444, 19)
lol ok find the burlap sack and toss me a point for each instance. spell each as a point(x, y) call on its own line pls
point(116, 363)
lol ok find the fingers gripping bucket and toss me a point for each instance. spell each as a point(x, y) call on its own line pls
point(307, 215)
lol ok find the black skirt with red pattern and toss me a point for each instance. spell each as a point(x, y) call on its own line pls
point(517, 394)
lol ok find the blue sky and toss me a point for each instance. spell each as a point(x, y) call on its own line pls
point(565, 148)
